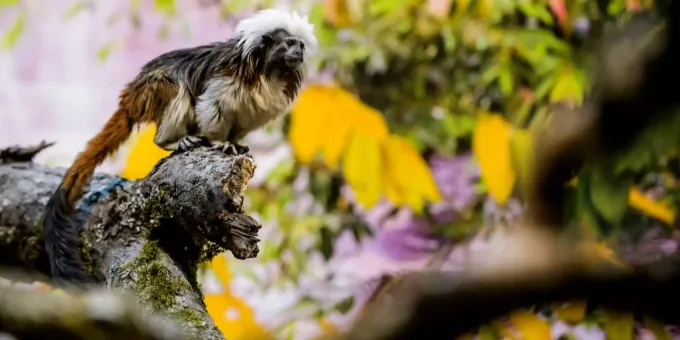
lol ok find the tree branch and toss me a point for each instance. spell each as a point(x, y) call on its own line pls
point(436, 305)
point(95, 315)
point(145, 237)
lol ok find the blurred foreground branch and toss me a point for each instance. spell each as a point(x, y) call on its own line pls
point(540, 262)
point(143, 237)
point(27, 314)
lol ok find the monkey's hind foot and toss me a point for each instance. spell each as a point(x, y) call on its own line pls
point(188, 143)
point(241, 149)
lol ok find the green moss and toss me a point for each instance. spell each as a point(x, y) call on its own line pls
point(85, 255)
point(156, 206)
point(188, 317)
point(155, 283)
point(210, 250)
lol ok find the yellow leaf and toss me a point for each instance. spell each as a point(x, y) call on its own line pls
point(462, 5)
point(337, 132)
point(328, 329)
point(143, 155)
point(618, 326)
point(658, 210)
point(485, 8)
point(603, 251)
point(234, 318)
point(368, 120)
point(522, 156)
point(362, 168)
point(308, 120)
point(530, 326)
point(336, 12)
point(220, 267)
point(394, 174)
point(408, 178)
point(323, 117)
point(571, 312)
point(491, 147)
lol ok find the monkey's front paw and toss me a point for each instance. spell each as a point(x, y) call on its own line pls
point(191, 142)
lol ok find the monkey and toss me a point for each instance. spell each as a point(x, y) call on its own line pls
point(208, 95)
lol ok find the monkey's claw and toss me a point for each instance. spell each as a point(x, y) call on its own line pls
point(241, 149)
point(230, 149)
point(191, 142)
point(226, 147)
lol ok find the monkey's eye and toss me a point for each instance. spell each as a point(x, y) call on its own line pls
point(290, 43)
point(302, 45)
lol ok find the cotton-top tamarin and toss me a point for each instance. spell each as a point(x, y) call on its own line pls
point(211, 94)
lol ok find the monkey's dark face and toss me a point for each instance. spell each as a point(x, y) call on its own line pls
point(283, 50)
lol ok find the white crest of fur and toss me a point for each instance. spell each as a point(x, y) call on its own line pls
point(251, 29)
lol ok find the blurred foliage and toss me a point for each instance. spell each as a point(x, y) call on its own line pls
point(237, 321)
point(376, 163)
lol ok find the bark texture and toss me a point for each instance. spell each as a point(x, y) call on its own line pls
point(146, 237)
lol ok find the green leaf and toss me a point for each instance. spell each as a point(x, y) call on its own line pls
point(8, 3)
point(536, 10)
point(377, 7)
point(609, 193)
point(505, 82)
point(618, 326)
point(345, 305)
point(655, 141)
point(74, 9)
point(164, 31)
point(10, 38)
point(660, 333)
point(486, 333)
point(585, 213)
point(232, 6)
point(326, 238)
point(105, 51)
point(166, 7)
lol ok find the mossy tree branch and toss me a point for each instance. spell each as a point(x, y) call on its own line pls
point(143, 237)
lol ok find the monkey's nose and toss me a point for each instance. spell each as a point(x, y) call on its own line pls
point(297, 54)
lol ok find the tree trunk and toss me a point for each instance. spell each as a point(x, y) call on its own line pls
point(145, 237)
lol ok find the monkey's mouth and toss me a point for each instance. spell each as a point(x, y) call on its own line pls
point(293, 61)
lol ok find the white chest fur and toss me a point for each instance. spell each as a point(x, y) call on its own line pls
point(228, 110)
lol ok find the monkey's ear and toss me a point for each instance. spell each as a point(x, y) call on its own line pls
point(267, 39)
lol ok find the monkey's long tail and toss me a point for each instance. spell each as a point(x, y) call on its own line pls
point(61, 235)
